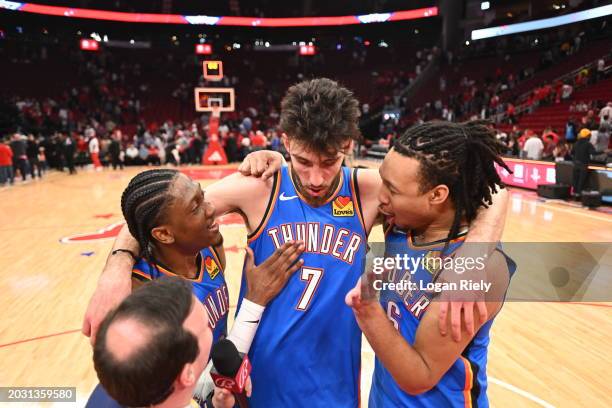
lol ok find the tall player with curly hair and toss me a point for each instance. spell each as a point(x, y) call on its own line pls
point(435, 179)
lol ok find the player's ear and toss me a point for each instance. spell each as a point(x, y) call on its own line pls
point(163, 234)
point(285, 140)
point(439, 194)
point(349, 147)
point(187, 376)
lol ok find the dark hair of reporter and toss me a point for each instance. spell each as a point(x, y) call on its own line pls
point(143, 204)
point(147, 375)
point(321, 114)
point(461, 156)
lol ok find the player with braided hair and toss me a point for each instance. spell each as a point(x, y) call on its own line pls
point(166, 212)
point(459, 155)
point(435, 179)
point(144, 201)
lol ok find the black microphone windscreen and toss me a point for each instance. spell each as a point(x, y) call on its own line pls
point(226, 358)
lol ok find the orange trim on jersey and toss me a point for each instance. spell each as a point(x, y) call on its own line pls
point(199, 278)
point(357, 199)
point(270, 209)
point(331, 197)
point(469, 383)
point(216, 256)
point(388, 229)
point(141, 273)
point(432, 245)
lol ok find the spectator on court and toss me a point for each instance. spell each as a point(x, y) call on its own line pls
point(42, 156)
point(32, 153)
point(231, 148)
point(82, 150)
point(533, 147)
point(94, 148)
point(6, 164)
point(582, 152)
point(20, 157)
point(68, 150)
point(104, 145)
point(114, 150)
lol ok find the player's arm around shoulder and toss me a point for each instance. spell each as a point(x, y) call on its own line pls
point(416, 369)
point(439, 352)
point(246, 195)
point(369, 184)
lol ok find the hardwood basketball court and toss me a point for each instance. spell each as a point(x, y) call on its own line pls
point(541, 353)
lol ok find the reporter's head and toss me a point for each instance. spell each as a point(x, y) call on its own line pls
point(152, 349)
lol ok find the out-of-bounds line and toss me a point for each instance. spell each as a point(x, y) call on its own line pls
point(39, 338)
point(520, 392)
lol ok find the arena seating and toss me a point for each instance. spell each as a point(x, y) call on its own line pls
point(556, 115)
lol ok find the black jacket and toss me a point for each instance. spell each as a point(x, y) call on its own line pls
point(583, 149)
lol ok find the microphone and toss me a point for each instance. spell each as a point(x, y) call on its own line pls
point(230, 369)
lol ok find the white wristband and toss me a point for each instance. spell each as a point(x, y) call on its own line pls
point(245, 325)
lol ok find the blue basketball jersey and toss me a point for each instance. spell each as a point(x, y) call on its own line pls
point(208, 286)
point(307, 349)
point(465, 383)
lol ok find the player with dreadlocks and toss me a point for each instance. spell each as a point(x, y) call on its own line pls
point(167, 213)
point(435, 179)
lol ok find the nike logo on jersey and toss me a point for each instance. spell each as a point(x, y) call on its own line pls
point(283, 197)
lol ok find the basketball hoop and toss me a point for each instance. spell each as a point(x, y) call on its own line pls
point(215, 112)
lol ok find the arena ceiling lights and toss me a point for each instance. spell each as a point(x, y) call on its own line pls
point(542, 23)
point(218, 21)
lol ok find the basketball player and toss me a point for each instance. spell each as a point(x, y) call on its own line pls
point(174, 225)
point(435, 179)
point(307, 348)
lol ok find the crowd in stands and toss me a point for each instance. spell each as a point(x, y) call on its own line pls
point(495, 98)
point(104, 118)
point(493, 95)
point(557, 146)
point(28, 157)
